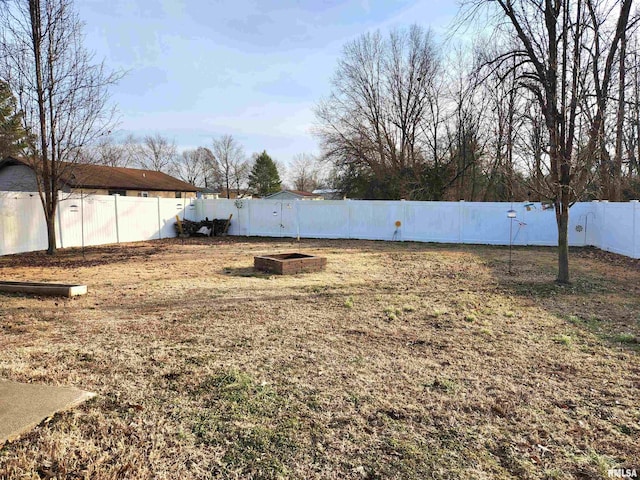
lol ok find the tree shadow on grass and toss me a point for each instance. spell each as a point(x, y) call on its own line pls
point(246, 272)
point(603, 297)
point(549, 288)
point(92, 256)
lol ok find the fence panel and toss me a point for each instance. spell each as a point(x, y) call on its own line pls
point(375, 220)
point(539, 225)
point(635, 205)
point(431, 222)
point(241, 221)
point(488, 223)
point(99, 223)
point(167, 209)
point(323, 219)
point(22, 224)
point(581, 222)
point(95, 220)
point(70, 222)
point(86, 220)
point(223, 208)
point(137, 218)
point(618, 228)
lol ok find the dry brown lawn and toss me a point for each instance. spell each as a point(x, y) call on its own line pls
point(401, 360)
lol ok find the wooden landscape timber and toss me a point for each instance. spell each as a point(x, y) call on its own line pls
point(41, 288)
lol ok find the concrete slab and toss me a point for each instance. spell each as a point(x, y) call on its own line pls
point(25, 405)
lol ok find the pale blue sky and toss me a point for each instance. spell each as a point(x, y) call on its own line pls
point(254, 69)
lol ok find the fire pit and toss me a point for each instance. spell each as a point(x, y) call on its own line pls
point(289, 263)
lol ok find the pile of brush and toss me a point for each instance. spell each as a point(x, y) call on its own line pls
point(205, 228)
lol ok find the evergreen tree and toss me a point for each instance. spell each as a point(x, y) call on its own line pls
point(12, 135)
point(264, 178)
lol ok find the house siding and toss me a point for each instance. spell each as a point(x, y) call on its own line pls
point(135, 193)
point(283, 196)
point(18, 178)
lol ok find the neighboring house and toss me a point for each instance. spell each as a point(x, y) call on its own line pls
point(211, 193)
point(204, 192)
point(17, 176)
point(293, 195)
point(329, 194)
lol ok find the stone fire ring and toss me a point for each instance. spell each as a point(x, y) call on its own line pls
point(289, 263)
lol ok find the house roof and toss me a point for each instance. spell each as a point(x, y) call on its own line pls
point(82, 175)
point(298, 193)
point(301, 193)
point(325, 191)
point(222, 193)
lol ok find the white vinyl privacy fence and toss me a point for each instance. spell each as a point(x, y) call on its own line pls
point(87, 220)
point(94, 220)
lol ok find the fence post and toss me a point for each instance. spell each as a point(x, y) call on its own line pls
point(159, 220)
point(403, 205)
point(249, 200)
point(634, 235)
point(2, 226)
point(59, 215)
point(115, 205)
point(348, 205)
point(524, 239)
point(297, 204)
point(604, 216)
point(200, 209)
point(461, 221)
point(597, 225)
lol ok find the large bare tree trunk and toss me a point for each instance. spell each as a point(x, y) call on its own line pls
point(616, 190)
point(51, 227)
point(48, 175)
point(562, 220)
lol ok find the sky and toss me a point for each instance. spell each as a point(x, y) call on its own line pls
point(254, 69)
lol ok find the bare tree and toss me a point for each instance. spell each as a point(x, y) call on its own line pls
point(532, 140)
point(107, 152)
point(436, 178)
point(240, 177)
point(553, 46)
point(61, 91)
point(111, 153)
point(155, 152)
point(632, 123)
point(503, 118)
point(231, 163)
point(603, 46)
point(305, 172)
point(372, 120)
point(467, 137)
point(616, 187)
point(192, 164)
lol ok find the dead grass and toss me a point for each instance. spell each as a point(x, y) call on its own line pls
point(400, 360)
